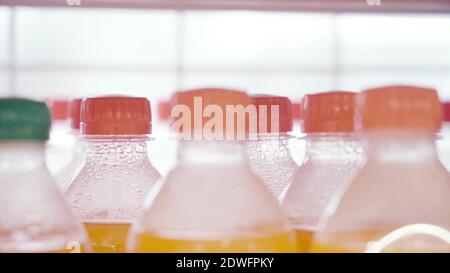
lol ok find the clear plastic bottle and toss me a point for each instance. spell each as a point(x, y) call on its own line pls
point(211, 201)
point(108, 192)
point(67, 173)
point(400, 199)
point(443, 142)
point(164, 146)
point(61, 143)
point(268, 151)
point(333, 157)
point(34, 217)
point(297, 143)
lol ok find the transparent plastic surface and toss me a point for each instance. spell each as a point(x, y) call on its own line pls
point(443, 145)
point(108, 192)
point(60, 146)
point(68, 172)
point(403, 184)
point(270, 158)
point(34, 217)
point(211, 202)
point(164, 148)
point(297, 147)
point(331, 161)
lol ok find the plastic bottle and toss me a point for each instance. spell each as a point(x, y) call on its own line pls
point(400, 199)
point(333, 157)
point(34, 217)
point(165, 145)
point(211, 201)
point(297, 143)
point(67, 173)
point(268, 151)
point(443, 143)
point(108, 192)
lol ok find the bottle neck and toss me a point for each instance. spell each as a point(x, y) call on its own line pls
point(210, 152)
point(401, 145)
point(22, 155)
point(333, 146)
point(445, 130)
point(268, 147)
point(115, 149)
point(281, 137)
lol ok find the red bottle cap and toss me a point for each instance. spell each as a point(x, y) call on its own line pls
point(446, 106)
point(164, 108)
point(284, 122)
point(400, 107)
point(328, 112)
point(75, 108)
point(116, 115)
point(296, 110)
point(59, 108)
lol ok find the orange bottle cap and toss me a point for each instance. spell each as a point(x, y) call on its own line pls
point(75, 108)
point(400, 107)
point(328, 112)
point(59, 108)
point(164, 108)
point(116, 115)
point(284, 120)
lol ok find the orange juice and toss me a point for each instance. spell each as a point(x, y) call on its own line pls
point(282, 242)
point(109, 189)
point(304, 238)
point(69, 250)
point(211, 201)
point(48, 247)
point(399, 200)
point(107, 237)
point(319, 248)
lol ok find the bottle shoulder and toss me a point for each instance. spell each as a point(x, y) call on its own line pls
point(142, 172)
point(42, 217)
point(110, 192)
point(389, 195)
point(213, 198)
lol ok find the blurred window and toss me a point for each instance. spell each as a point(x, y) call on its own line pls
point(65, 52)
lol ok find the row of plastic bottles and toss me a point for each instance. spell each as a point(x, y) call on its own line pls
point(370, 180)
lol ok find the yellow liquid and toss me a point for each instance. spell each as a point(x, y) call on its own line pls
point(323, 248)
point(60, 251)
point(81, 250)
point(74, 250)
point(304, 239)
point(70, 248)
point(359, 241)
point(107, 237)
point(282, 242)
point(49, 247)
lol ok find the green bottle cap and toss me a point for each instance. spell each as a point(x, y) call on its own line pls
point(23, 119)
